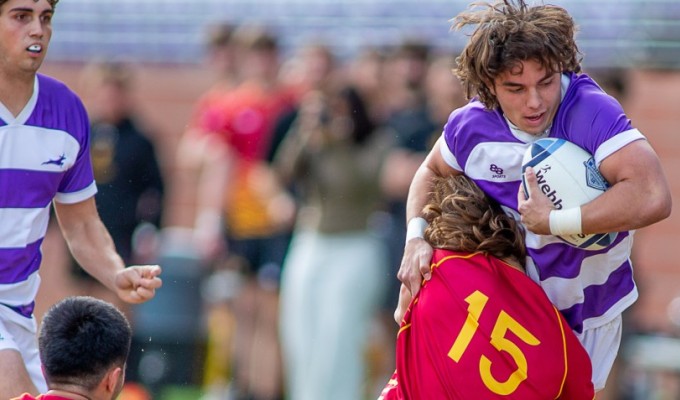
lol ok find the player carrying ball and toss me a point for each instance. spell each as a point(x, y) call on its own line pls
point(521, 69)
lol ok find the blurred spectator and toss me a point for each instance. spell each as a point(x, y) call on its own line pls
point(310, 68)
point(443, 91)
point(129, 180)
point(408, 119)
point(614, 81)
point(365, 73)
point(333, 278)
point(424, 92)
point(430, 92)
point(240, 200)
point(223, 283)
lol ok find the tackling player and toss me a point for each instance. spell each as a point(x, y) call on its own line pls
point(480, 328)
point(84, 343)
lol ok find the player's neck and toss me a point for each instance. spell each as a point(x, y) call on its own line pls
point(16, 90)
point(68, 394)
point(512, 261)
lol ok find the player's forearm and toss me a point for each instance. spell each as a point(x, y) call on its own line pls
point(626, 206)
point(418, 192)
point(94, 250)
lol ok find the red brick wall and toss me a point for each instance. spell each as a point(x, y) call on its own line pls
point(654, 107)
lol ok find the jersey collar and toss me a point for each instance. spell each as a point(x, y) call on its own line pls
point(23, 116)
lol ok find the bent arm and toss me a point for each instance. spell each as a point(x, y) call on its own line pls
point(212, 183)
point(415, 264)
point(639, 195)
point(92, 246)
point(433, 166)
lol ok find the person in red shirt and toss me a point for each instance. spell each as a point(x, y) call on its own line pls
point(84, 344)
point(480, 328)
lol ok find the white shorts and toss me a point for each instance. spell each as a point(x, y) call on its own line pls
point(602, 344)
point(22, 337)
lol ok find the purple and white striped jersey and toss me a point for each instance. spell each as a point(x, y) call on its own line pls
point(589, 287)
point(44, 156)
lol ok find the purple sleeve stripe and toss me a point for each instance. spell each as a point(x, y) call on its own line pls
point(25, 310)
point(16, 265)
point(557, 260)
point(27, 189)
point(600, 298)
point(551, 258)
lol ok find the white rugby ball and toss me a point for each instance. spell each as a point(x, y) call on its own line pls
point(568, 176)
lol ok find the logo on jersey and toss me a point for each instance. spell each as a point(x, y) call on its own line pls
point(593, 177)
point(497, 171)
point(58, 162)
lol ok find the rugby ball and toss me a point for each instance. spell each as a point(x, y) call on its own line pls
point(568, 176)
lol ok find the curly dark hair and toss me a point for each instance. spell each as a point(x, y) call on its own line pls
point(462, 218)
point(507, 34)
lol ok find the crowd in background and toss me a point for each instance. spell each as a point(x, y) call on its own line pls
point(298, 168)
point(302, 167)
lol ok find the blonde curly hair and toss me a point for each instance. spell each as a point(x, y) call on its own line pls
point(462, 218)
point(507, 34)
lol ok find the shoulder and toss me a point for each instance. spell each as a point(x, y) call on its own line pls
point(584, 100)
point(54, 87)
point(583, 88)
point(588, 116)
point(57, 93)
point(474, 112)
point(473, 119)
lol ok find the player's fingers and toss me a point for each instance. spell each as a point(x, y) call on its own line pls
point(153, 283)
point(410, 278)
point(414, 284)
point(425, 270)
point(143, 293)
point(521, 193)
point(152, 271)
point(529, 185)
point(398, 315)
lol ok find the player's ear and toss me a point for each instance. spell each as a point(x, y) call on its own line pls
point(490, 86)
point(492, 89)
point(112, 379)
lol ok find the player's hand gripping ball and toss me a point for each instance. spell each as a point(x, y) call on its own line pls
point(568, 176)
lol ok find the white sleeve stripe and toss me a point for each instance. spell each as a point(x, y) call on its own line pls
point(22, 226)
point(448, 155)
point(595, 270)
point(616, 143)
point(75, 197)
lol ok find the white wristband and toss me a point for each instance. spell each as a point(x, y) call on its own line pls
point(565, 222)
point(416, 228)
